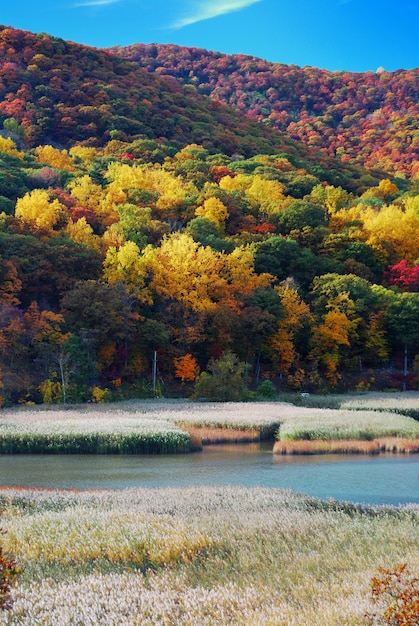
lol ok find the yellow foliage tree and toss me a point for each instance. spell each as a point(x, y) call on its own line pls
point(333, 198)
point(91, 196)
point(81, 232)
point(282, 342)
point(262, 193)
point(113, 236)
point(213, 209)
point(8, 146)
point(183, 270)
point(87, 193)
point(171, 193)
point(37, 207)
point(84, 154)
point(237, 278)
point(328, 337)
point(268, 194)
point(393, 230)
point(60, 159)
point(387, 188)
point(126, 265)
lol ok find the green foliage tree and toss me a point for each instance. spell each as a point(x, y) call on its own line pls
point(224, 380)
point(284, 258)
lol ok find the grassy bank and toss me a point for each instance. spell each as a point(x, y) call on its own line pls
point(406, 403)
point(134, 427)
point(368, 423)
point(350, 429)
point(80, 432)
point(207, 556)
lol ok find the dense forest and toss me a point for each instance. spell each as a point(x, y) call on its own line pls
point(146, 229)
point(370, 118)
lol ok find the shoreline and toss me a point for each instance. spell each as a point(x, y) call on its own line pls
point(380, 445)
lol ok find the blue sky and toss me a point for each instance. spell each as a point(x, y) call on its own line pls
point(353, 35)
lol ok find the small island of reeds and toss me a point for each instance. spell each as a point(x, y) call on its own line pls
point(370, 423)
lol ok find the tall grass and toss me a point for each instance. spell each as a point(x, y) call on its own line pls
point(137, 428)
point(328, 424)
point(207, 556)
point(70, 432)
point(167, 426)
point(406, 403)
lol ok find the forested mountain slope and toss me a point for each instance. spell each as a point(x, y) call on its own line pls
point(370, 118)
point(138, 218)
point(63, 92)
point(59, 92)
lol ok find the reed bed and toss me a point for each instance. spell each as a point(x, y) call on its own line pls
point(321, 446)
point(204, 435)
point(134, 427)
point(207, 556)
point(330, 424)
point(72, 432)
point(405, 403)
point(137, 427)
point(397, 445)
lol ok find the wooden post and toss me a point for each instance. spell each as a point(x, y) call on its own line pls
point(154, 372)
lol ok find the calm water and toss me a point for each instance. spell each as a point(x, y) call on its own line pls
point(366, 479)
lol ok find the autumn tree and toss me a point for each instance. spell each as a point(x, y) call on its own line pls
point(10, 284)
point(396, 243)
point(127, 266)
point(8, 146)
point(214, 210)
point(404, 276)
point(58, 159)
point(281, 346)
point(38, 208)
point(186, 367)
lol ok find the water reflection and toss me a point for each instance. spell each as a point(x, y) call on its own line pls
point(367, 479)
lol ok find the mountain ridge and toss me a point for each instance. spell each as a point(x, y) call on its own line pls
point(59, 92)
point(371, 118)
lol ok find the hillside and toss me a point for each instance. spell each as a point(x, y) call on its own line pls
point(369, 118)
point(62, 92)
point(140, 218)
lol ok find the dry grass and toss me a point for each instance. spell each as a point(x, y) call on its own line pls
point(205, 435)
point(399, 445)
point(396, 445)
point(198, 556)
point(322, 446)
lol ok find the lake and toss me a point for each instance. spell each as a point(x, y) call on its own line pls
point(381, 479)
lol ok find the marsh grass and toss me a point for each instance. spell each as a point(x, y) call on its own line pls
point(73, 432)
point(134, 428)
point(329, 424)
point(204, 435)
point(397, 445)
point(207, 556)
point(322, 446)
point(406, 403)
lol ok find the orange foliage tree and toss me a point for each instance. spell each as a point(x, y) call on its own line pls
point(186, 367)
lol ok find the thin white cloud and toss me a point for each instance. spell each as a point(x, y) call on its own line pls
point(207, 9)
point(95, 3)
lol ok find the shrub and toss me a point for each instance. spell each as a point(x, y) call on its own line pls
point(395, 594)
point(266, 390)
point(51, 392)
point(9, 571)
point(224, 380)
point(101, 395)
